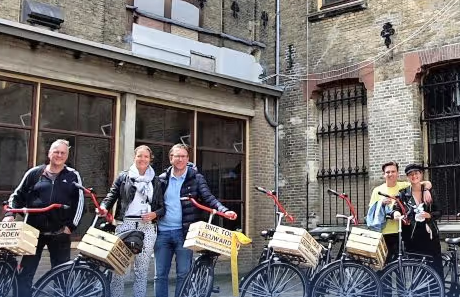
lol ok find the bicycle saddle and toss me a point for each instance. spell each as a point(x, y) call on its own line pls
point(133, 239)
point(454, 240)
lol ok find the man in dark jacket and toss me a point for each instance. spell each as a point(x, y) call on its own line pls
point(41, 186)
point(179, 181)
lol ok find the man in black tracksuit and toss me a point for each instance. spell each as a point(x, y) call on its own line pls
point(41, 186)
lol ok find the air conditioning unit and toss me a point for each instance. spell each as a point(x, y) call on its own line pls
point(36, 13)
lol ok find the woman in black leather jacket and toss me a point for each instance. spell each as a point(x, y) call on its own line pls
point(421, 236)
point(140, 204)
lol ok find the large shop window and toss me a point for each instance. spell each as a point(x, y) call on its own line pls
point(84, 119)
point(220, 153)
point(160, 128)
point(221, 157)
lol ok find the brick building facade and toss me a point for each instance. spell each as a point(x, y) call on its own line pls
point(97, 82)
point(349, 103)
point(334, 137)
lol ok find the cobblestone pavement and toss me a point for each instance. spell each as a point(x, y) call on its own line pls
point(224, 282)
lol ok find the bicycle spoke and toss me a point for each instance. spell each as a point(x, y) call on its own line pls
point(276, 279)
point(76, 282)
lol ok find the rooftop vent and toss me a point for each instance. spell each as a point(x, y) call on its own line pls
point(42, 14)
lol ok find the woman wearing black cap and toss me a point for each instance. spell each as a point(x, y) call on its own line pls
point(422, 235)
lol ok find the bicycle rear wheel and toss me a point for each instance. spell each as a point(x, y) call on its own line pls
point(274, 279)
point(70, 280)
point(450, 283)
point(346, 278)
point(8, 281)
point(412, 278)
point(200, 280)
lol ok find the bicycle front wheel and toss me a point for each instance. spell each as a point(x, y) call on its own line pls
point(346, 279)
point(8, 281)
point(72, 281)
point(274, 279)
point(200, 280)
point(411, 278)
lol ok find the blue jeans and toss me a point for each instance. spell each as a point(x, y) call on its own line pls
point(169, 243)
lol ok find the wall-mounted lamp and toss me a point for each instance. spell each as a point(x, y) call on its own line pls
point(202, 2)
point(235, 9)
point(264, 18)
point(387, 32)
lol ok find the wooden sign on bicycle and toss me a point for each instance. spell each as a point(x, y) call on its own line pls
point(367, 247)
point(107, 248)
point(297, 242)
point(204, 236)
point(19, 238)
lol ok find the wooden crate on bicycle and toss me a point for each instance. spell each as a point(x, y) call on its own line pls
point(367, 247)
point(19, 238)
point(297, 242)
point(203, 236)
point(107, 248)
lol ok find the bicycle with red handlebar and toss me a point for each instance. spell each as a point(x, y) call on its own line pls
point(10, 266)
point(409, 274)
point(276, 274)
point(200, 279)
point(345, 276)
point(82, 276)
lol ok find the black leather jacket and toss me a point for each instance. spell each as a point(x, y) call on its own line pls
point(123, 191)
point(415, 229)
point(194, 186)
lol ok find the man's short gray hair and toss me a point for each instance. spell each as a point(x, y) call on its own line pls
point(58, 142)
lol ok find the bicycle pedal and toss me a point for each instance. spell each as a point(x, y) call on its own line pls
point(216, 290)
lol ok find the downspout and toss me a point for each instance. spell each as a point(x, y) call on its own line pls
point(275, 123)
point(277, 82)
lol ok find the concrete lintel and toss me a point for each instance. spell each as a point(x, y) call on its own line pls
point(81, 45)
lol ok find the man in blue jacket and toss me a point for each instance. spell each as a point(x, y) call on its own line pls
point(180, 180)
point(42, 186)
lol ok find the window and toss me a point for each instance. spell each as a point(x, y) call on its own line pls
point(84, 119)
point(344, 148)
point(16, 102)
point(220, 151)
point(220, 157)
point(441, 89)
point(160, 128)
point(331, 8)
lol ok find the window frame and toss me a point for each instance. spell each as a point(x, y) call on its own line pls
point(194, 145)
point(34, 128)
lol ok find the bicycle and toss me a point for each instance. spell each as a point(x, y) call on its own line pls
point(85, 275)
point(200, 279)
point(408, 276)
point(345, 276)
point(9, 265)
point(267, 278)
point(450, 263)
point(276, 274)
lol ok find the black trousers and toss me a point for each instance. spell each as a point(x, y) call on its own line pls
point(59, 249)
point(392, 242)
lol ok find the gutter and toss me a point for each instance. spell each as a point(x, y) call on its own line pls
point(79, 45)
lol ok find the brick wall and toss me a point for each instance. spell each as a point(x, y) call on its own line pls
point(394, 104)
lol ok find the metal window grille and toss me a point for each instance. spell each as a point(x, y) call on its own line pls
point(441, 118)
point(343, 139)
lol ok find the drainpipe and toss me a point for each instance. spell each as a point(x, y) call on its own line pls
point(277, 82)
point(275, 123)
